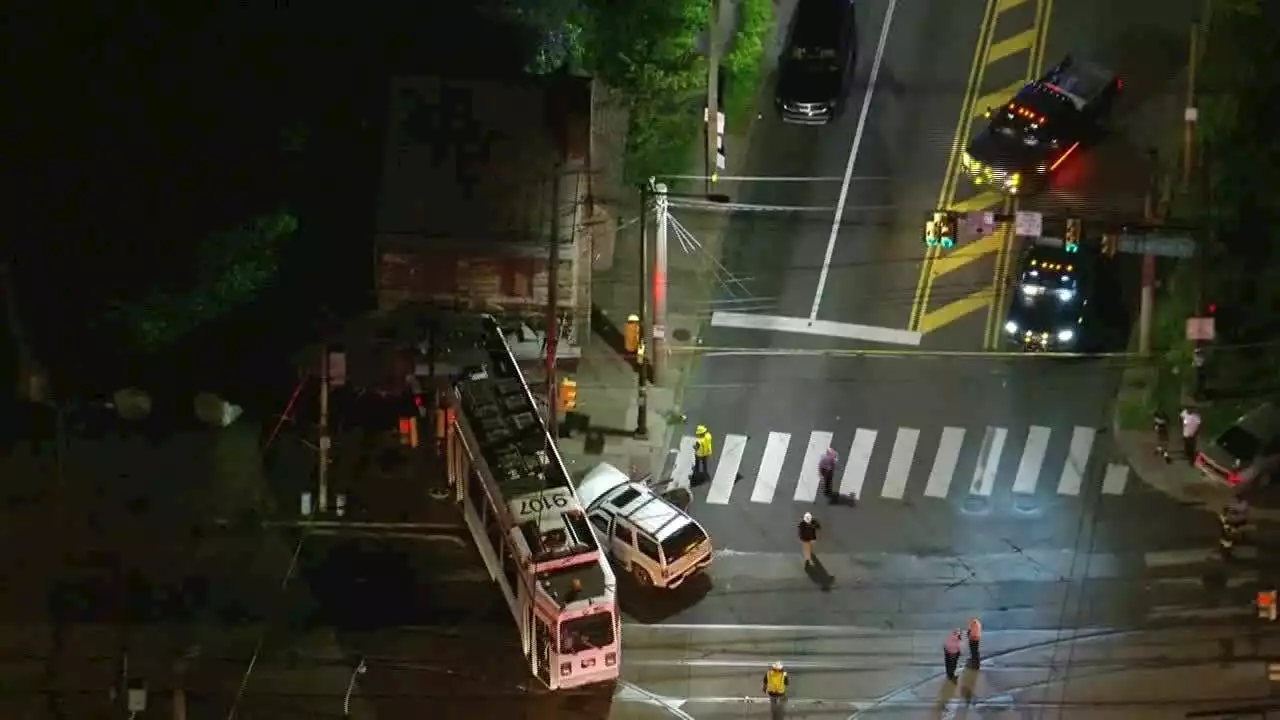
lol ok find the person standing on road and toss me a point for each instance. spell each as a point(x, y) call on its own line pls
point(775, 685)
point(951, 654)
point(827, 471)
point(1190, 429)
point(975, 637)
point(808, 532)
point(702, 449)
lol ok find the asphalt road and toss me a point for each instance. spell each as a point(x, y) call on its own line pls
point(887, 673)
point(953, 458)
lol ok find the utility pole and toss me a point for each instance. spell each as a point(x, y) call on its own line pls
point(660, 279)
point(642, 354)
point(1148, 296)
point(553, 307)
point(322, 472)
point(713, 91)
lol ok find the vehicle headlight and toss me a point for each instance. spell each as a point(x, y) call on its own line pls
point(1065, 294)
point(1066, 335)
point(1011, 327)
point(967, 160)
point(1032, 290)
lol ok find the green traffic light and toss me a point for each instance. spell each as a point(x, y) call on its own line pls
point(1073, 247)
point(947, 242)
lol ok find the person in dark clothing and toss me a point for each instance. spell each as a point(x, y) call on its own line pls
point(1160, 423)
point(951, 653)
point(808, 533)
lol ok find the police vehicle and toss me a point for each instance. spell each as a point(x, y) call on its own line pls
point(1048, 308)
point(815, 69)
point(1032, 135)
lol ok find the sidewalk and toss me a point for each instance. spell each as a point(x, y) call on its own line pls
point(607, 382)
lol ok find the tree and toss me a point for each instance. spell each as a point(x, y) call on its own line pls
point(232, 268)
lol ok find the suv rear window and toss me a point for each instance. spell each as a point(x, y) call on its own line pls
point(1239, 444)
point(679, 543)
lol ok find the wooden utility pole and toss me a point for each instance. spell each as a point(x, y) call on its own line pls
point(713, 91)
point(553, 308)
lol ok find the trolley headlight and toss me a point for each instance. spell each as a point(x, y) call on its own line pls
point(1066, 335)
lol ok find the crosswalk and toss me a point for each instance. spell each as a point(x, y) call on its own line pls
point(891, 464)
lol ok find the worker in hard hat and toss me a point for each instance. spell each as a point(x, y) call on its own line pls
point(775, 685)
point(701, 454)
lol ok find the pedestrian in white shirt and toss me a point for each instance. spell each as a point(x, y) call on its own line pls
point(1190, 429)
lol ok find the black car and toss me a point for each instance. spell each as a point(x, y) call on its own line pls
point(814, 71)
point(1049, 305)
point(1029, 137)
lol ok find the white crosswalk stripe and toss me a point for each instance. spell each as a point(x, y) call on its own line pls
point(855, 468)
point(807, 488)
point(727, 464)
point(775, 452)
point(904, 448)
point(916, 462)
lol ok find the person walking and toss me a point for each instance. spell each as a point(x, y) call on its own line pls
point(975, 638)
point(1160, 423)
point(702, 449)
point(827, 471)
point(951, 654)
point(1190, 430)
point(775, 686)
point(808, 532)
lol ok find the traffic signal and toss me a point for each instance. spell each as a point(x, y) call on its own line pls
point(409, 431)
point(1073, 235)
point(1110, 244)
point(940, 230)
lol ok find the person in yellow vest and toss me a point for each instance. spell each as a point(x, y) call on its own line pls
point(775, 685)
point(702, 449)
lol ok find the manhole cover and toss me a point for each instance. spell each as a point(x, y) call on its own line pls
point(681, 334)
point(975, 505)
point(1026, 506)
point(438, 493)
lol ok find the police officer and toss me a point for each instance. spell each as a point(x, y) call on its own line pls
point(975, 638)
point(775, 685)
point(951, 654)
point(701, 453)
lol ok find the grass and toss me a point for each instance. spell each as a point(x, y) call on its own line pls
point(744, 63)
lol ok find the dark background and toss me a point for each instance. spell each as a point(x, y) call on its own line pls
point(138, 130)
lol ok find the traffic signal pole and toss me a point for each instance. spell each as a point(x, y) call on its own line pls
point(1147, 301)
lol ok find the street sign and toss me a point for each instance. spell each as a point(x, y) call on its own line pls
point(980, 223)
point(1200, 329)
point(1028, 224)
point(1163, 245)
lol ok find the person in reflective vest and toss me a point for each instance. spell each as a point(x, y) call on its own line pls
point(701, 452)
point(775, 683)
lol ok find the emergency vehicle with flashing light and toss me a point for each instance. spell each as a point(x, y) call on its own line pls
point(1048, 310)
point(1032, 135)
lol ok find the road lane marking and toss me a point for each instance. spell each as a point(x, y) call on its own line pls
point(775, 452)
point(946, 192)
point(984, 473)
point(1032, 458)
point(727, 469)
point(982, 201)
point(683, 465)
point(992, 333)
point(1116, 478)
point(1024, 40)
point(944, 463)
point(853, 156)
point(979, 248)
point(822, 328)
point(807, 487)
point(1077, 458)
point(996, 99)
point(904, 449)
point(953, 311)
point(855, 469)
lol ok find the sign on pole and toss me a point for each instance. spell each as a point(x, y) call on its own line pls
point(981, 223)
point(1028, 224)
point(1200, 329)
